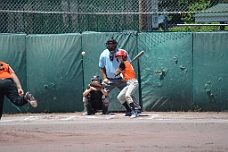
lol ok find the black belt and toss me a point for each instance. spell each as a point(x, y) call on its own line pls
point(3, 79)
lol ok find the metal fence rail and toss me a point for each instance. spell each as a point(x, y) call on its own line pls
point(69, 16)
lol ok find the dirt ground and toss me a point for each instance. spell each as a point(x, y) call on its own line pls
point(150, 132)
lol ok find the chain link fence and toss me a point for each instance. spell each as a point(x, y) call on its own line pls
point(70, 16)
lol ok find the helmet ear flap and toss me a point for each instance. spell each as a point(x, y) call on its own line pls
point(125, 57)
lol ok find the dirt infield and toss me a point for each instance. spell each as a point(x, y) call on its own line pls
point(151, 131)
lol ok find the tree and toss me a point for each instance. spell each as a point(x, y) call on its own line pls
point(195, 6)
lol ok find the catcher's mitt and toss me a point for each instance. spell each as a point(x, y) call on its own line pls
point(95, 84)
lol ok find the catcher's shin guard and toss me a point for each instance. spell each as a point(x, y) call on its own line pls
point(89, 109)
point(104, 109)
point(105, 103)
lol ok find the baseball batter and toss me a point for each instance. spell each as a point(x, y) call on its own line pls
point(129, 76)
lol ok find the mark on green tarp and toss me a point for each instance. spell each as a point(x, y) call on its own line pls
point(175, 59)
point(211, 96)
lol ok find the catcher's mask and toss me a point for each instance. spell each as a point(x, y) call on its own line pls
point(121, 53)
point(96, 78)
point(111, 45)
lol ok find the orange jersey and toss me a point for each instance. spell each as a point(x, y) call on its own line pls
point(5, 70)
point(127, 70)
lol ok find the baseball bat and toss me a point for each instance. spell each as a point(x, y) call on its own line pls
point(137, 56)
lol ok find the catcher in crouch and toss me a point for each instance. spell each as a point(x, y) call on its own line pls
point(95, 97)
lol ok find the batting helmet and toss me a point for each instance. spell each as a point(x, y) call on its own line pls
point(121, 53)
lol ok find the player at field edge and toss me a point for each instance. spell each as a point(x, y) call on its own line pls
point(10, 87)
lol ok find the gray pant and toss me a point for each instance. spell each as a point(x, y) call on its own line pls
point(127, 93)
point(118, 83)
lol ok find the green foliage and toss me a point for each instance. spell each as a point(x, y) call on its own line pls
point(195, 7)
point(196, 29)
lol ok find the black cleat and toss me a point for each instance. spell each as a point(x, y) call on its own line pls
point(30, 98)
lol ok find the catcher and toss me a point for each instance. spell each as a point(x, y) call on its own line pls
point(95, 97)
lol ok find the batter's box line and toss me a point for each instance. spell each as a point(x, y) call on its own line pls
point(68, 118)
point(111, 117)
point(145, 116)
point(32, 118)
point(7, 120)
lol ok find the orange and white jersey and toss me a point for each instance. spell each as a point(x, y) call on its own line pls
point(5, 70)
point(128, 71)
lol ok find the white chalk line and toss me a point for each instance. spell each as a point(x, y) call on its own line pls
point(68, 118)
point(151, 116)
point(110, 117)
point(32, 118)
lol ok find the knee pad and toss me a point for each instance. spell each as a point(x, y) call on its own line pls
point(105, 100)
point(86, 100)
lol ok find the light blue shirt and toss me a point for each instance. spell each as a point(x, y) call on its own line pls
point(110, 66)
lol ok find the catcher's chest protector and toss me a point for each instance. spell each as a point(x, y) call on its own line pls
point(96, 95)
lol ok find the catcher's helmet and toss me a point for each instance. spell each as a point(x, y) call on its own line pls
point(111, 44)
point(121, 53)
point(96, 78)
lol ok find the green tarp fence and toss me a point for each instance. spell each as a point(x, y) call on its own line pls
point(13, 52)
point(210, 72)
point(166, 71)
point(54, 71)
point(178, 71)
